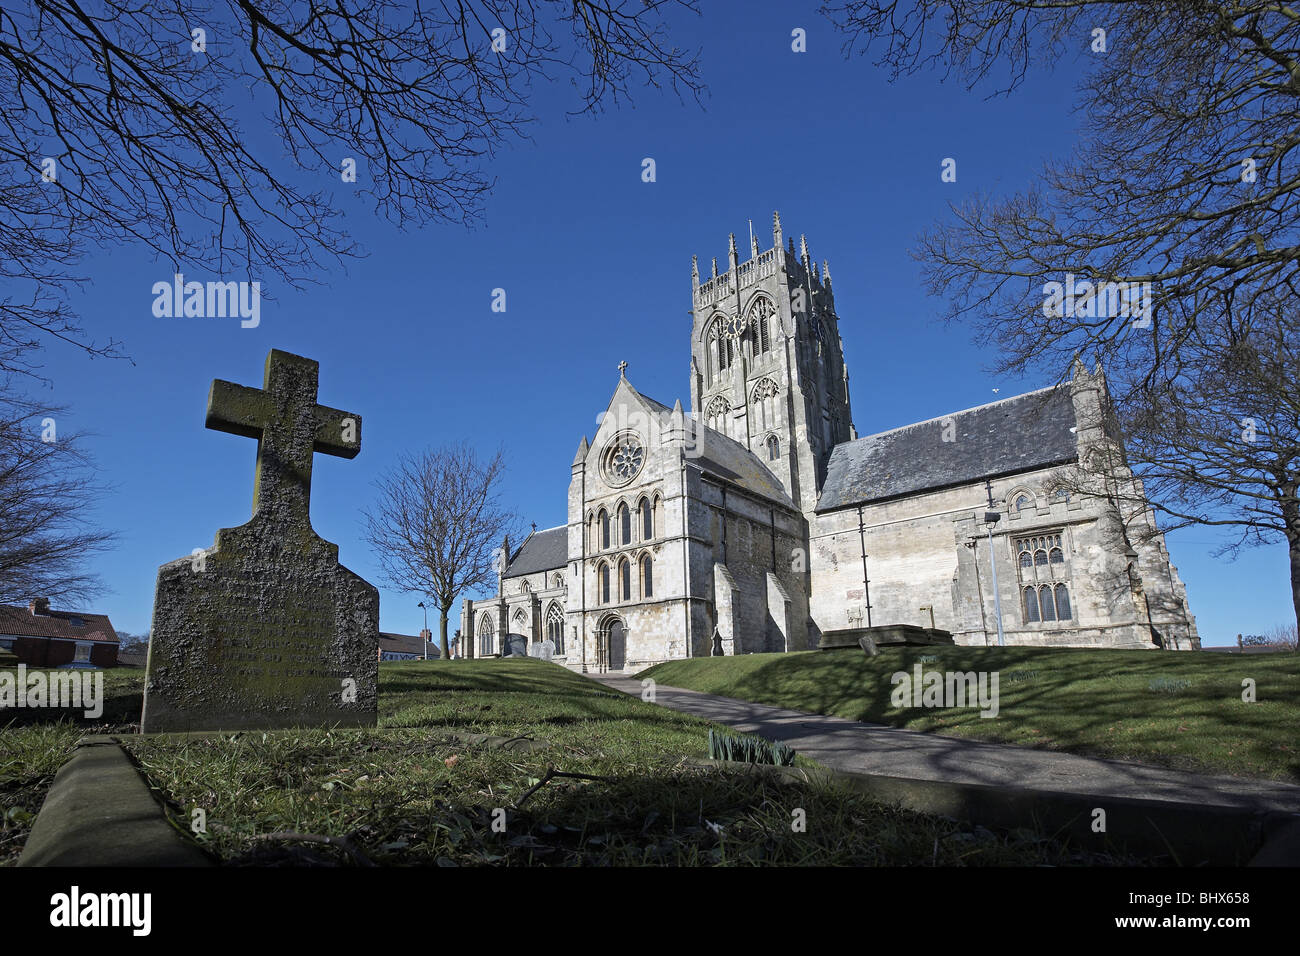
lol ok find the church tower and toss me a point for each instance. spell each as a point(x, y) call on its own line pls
point(767, 361)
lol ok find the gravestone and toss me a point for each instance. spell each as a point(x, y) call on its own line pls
point(516, 645)
point(266, 629)
point(544, 650)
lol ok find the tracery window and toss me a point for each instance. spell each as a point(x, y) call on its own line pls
point(717, 413)
point(766, 404)
point(486, 633)
point(623, 459)
point(761, 315)
point(555, 627)
point(1044, 578)
point(721, 348)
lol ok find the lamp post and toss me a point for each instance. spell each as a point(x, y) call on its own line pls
point(424, 638)
point(990, 519)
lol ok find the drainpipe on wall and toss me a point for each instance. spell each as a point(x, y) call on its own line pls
point(866, 582)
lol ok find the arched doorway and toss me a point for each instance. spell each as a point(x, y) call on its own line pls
point(611, 644)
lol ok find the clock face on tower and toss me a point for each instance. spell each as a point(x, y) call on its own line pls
point(736, 326)
point(623, 459)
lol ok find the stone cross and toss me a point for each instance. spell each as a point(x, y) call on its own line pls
point(289, 427)
point(267, 629)
point(622, 368)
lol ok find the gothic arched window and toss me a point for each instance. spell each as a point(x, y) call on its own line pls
point(721, 347)
point(624, 524)
point(766, 407)
point(486, 632)
point(625, 580)
point(555, 627)
point(717, 413)
point(647, 519)
point(773, 448)
point(1063, 612)
point(1048, 605)
point(761, 315)
point(603, 574)
point(603, 520)
point(647, 577)
point(1031, 606)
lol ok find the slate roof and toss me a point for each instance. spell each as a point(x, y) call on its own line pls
point(20, 622)
point(406, 644)
point(720, 455)
point(541, 551)
point(1005, 437)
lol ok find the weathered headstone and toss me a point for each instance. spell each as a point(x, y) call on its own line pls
point(266, 629)
point(515, 645)
point(544, 650)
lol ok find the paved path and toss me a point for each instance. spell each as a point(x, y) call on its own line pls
point(895, 752)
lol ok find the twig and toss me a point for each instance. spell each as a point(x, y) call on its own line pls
point(551, 774)
point(342, 842)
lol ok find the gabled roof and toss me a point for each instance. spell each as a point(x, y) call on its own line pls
point(21, 622)
point(1015, 434)
point(541, 551)
point(716, 454)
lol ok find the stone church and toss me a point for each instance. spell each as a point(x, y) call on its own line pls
point(759, 519)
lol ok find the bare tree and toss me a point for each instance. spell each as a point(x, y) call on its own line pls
point(1184, 178)
point(438, 524)
point(119, 123)
point(1217, 444)
point(47, 488)
point(1176, 220)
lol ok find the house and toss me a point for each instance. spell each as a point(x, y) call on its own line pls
point(40, 637)
point(404, 647)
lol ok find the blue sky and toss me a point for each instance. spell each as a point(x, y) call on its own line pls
point(596, 268)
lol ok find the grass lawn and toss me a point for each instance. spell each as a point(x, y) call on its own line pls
point(35, 743)
point(1180, 710)
point(406, 794)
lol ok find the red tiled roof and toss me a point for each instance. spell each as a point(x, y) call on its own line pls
point(20, 622)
